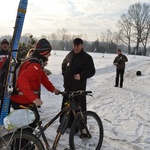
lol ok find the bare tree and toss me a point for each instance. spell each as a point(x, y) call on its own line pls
point(107, 36)
point(145, 36)
point(54, 38)
point(62, 34)
point(144, 39)
point(124, 34)
point(44, 36)
point(107, 41)
point(63, 37)
point(140, 15)
point(32, 41)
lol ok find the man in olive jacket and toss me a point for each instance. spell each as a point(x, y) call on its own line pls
point(119, 62)
point(76, 68)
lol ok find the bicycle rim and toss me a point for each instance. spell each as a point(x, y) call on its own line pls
point(20, 141)
point(95, 128)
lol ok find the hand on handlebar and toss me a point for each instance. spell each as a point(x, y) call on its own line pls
point(56, 91)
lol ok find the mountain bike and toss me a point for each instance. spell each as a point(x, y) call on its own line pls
point(85, 133)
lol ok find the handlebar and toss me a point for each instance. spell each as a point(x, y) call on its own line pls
point(70, 94)
point(75, 93)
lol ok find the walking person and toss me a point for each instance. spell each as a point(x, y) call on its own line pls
point(77, 67)
point(119, 62)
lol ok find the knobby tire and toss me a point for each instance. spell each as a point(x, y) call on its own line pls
point(95, 127)
point(8, 141)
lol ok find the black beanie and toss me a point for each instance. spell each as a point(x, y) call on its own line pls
point(43, 47)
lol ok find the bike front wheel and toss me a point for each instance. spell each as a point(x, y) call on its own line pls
point(79, 140)
point(20, 141)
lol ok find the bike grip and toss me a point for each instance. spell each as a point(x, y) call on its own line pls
point(88, 92)
point(62, 93)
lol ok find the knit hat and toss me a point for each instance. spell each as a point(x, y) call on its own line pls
point(43, 47)
point(4, 41)
point(77, 41)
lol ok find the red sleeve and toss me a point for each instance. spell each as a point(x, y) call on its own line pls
point(46, 83)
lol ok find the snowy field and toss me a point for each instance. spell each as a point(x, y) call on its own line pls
point(125, 112)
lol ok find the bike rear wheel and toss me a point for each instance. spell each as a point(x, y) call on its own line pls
point(91, 141)
point(20, 141)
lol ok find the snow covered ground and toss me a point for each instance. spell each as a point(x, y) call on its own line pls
point(125, 112)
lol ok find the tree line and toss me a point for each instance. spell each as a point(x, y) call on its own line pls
point(62, 40)
point(134, 27)
point(133, 35)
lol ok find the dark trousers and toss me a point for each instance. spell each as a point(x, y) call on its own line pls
point(119, 75)
point(80, 100)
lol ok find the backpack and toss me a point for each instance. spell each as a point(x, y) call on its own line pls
point(138, 73)
point(28, 61)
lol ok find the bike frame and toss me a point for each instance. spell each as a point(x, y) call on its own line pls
point(69, 106)
point(42, 129)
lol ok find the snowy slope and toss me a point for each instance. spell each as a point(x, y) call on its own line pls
point(124, 112)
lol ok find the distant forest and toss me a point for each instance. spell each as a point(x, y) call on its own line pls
point(27, 42)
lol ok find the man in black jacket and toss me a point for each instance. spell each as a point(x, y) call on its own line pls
point(77, 67)
point(119, 62)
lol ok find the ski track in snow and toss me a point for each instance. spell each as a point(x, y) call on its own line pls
point(124, 111)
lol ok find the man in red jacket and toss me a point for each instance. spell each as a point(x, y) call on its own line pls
point(31, 75)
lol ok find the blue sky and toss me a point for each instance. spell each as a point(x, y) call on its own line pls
point(87, 17)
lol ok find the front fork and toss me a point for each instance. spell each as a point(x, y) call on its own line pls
point(61, 129)
point(83, 126)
